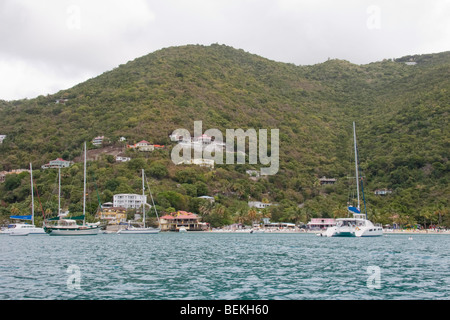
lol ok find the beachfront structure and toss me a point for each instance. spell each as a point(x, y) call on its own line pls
point(129, 201)
point(321, 223)
point(113, 215)
point(98, 141)
point(279, 225)
point(2, 137)
point(57, 163)
point(175, 220)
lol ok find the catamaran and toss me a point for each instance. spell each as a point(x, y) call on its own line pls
point(359, 225)
point(25, 228)
point(142, 230)
point(70, 227)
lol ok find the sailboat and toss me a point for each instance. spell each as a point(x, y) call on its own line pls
point(70, 227)
point(23, 229)
point(142, 230)
point(359, 225)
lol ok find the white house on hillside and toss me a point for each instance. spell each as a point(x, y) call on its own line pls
point(58, 163)
point(259, 204)
point(2, 137)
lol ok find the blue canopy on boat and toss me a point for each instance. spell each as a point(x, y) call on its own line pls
point(354, 210)
point(21, 217)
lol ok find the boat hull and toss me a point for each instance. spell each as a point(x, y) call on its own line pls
point(139, 231)
point(28, 230)
point(73, 232)
point(19, 233)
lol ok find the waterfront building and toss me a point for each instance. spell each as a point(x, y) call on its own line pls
point(321, 223)
point(113, 215)
point(175, 220)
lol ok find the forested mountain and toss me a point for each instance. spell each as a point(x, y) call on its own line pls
point(400, 108)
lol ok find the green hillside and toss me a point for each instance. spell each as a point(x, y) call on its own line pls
point(401, 112)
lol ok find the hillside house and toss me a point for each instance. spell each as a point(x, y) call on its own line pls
point(61, 101)
point(145, 146)
point(259, 204)
point(98, 141)
point(325, 180)
point(382, 192)
point(178, 138)
point(2, 137)
point(209, 198)
point(122, 158)
point(58, 163)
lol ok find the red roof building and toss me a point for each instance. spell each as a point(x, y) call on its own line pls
point(175, 220)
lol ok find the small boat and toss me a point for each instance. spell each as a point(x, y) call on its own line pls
point(359, 225)
point(19, 228)
point(182, 230)
point(19, 233)
point(142, 230)
point(69, 226)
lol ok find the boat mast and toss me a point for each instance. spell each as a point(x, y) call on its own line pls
point(84, 187)
point(143, 196)
point(153, 203)
point(356, 164)
point(32, 195)
point(59, 190)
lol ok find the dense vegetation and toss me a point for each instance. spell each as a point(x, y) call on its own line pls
point(401, 112)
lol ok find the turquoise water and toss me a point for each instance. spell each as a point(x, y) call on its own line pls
point(228, 266)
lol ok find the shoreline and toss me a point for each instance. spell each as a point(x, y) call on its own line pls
point(385, 232)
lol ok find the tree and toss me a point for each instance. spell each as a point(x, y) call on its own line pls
point(158, 170)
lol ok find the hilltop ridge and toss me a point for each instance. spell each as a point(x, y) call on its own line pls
point(401, 111)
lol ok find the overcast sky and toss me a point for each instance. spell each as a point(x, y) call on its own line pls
point(49, 45)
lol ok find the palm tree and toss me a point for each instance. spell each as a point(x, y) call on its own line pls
point(251, 215)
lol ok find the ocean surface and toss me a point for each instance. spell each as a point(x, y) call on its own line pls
point(224, 266)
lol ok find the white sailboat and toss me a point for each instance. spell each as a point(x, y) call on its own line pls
point(22, 229)
point(359, 225)
point(142, 230)
point(70, 227)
